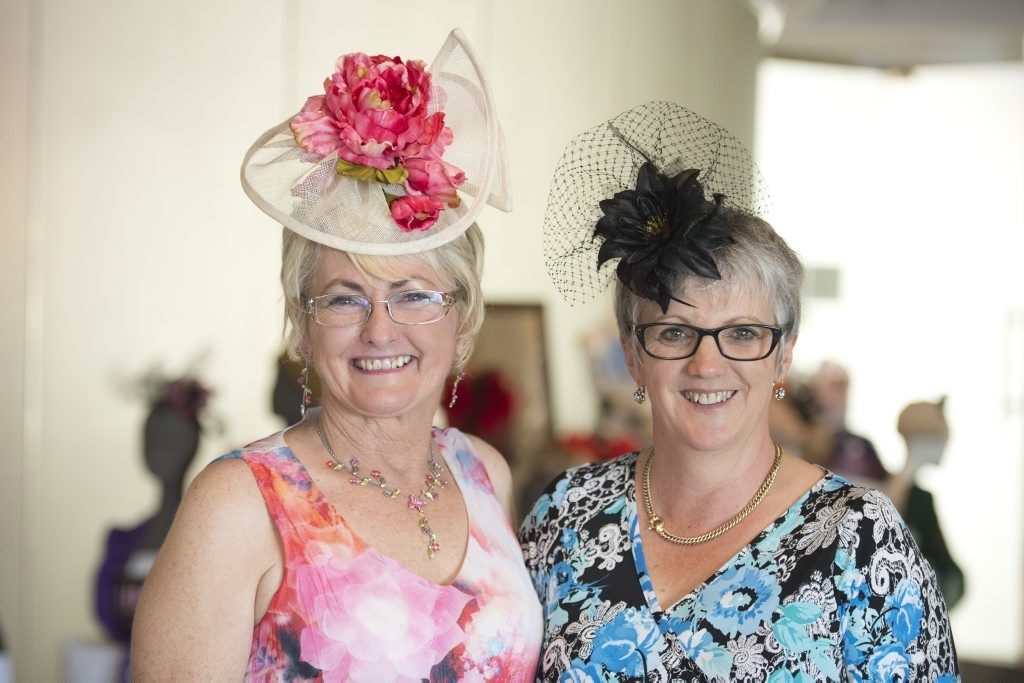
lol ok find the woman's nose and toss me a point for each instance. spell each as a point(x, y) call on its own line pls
point(707, 359)
point(379, 327)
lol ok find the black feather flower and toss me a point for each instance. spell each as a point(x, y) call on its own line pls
point(663, 229)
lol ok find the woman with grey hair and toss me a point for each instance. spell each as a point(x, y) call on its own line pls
point(363, 543)
point(712, 554)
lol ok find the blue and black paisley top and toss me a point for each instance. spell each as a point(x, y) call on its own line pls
point(833, 590)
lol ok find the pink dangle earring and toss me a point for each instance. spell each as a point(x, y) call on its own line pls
point(460, 372)
point(307, 395)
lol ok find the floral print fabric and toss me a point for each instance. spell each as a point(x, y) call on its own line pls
point(345, 612)
point(834, 590)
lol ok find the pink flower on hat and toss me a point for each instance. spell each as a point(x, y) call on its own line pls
point(413, 212)
point(436, 179)
point(374, 115)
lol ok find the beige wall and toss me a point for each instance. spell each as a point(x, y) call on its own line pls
point(127, 241)
point(14, 70)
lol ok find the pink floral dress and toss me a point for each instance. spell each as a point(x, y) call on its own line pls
point(345, 612)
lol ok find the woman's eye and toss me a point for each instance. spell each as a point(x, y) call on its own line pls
point(745, 334)
point(417, 296)
point(674, 335)
point(338, 301)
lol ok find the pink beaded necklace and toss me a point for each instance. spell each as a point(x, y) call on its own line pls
point(431, 490)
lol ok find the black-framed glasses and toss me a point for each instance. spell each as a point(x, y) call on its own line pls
point(675, 341)
point(414, 307)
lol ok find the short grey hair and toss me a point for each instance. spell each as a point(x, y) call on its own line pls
point(757, 259)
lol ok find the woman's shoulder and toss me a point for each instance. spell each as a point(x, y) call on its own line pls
point(471, 455)
point(272, 445)
point(836, 490)
point(469, 444)
point(838, 502)
point(265, 459)
point(616, 471)
point(222, 507)
point(584, 490)
point(225, 484)
point(234, 478)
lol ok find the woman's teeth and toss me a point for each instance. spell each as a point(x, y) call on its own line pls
point(708, 399)
point(382, 363)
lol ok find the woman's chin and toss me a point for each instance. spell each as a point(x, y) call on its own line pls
point(390, 404)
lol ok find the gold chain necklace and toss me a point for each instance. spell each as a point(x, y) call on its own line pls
point(430, 492)
point(656, 524)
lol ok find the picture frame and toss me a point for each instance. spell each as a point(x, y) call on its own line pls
point(505, 397)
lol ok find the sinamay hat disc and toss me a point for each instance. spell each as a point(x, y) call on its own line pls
point(303, 191)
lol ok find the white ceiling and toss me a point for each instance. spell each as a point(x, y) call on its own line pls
point(892, 34)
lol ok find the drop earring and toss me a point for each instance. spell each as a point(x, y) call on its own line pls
point(460, 372)
point(780, 392)
point(640, 395)
point(307, 395)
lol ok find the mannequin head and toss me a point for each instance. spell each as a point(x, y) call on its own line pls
point(171, 432)
point(170, 441)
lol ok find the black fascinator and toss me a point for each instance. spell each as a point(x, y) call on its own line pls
point(645, 189)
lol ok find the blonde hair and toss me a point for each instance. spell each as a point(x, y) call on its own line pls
point(461, 260)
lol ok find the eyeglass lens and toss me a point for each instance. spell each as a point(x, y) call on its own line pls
point(408, 308)
point(737, 342)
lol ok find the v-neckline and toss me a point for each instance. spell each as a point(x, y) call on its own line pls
point(317, 498)
point(640, 560)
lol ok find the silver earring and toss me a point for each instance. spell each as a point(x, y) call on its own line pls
point(640, 395)
point(459, 374)
point(780, 392)
point(307, 395)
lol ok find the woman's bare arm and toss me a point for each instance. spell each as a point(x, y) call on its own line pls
point(199, 604)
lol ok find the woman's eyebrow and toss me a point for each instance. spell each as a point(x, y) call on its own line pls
point(348, 284)
point(359, 287)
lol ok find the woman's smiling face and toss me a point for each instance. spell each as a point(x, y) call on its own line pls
point(708, 402)
point(381, 368)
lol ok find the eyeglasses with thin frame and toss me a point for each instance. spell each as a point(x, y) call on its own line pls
point(675, 341)
point(413, 307)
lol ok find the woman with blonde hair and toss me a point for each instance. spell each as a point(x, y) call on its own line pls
point(363, 543)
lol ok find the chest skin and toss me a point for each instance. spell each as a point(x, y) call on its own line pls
point(677, 570)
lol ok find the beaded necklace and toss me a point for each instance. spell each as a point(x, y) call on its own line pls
point(431, 489)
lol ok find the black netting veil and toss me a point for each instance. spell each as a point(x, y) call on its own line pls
point(606, 160)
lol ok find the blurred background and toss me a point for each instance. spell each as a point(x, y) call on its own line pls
point(890, 133)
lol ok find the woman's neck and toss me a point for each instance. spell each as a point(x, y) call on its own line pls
point(691, 479)
point(387, 444)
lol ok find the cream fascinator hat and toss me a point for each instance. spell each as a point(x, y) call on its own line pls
point(394, 158)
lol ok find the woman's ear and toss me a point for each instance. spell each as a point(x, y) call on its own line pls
point(787, 359)
point(633, 362)
point(303, 347)
point(462, 345)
